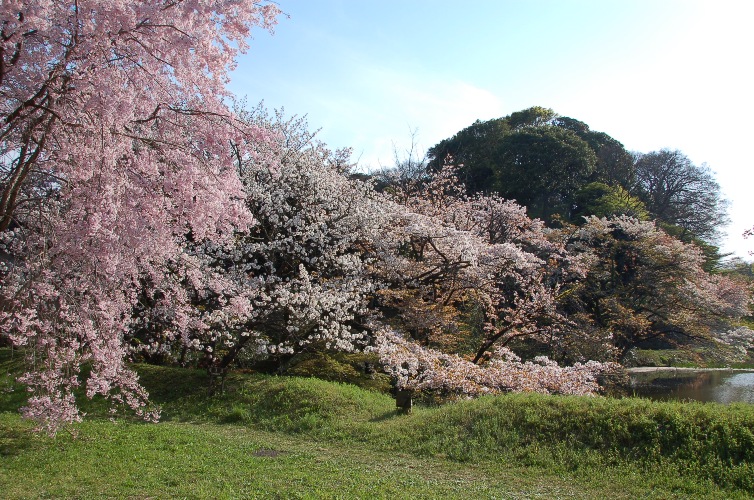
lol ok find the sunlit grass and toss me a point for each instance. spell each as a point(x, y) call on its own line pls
point(279, 437)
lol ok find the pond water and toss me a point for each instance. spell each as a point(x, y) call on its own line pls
point(721, 386)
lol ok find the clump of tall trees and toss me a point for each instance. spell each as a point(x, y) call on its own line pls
point(558, 168)
point(141, 217)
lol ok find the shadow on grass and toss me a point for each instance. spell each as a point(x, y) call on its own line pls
point(12, 397)
point(168, 385)
point(13, 441)
point(388, 415)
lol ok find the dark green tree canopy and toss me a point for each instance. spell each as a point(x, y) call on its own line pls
point(542, 168)
point(536, 157)
point(549, 163)
point(615, 165)
point(474, 148)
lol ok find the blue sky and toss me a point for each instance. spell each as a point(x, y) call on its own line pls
point(652, 74)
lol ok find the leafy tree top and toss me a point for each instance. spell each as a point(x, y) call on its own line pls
point(536, 157)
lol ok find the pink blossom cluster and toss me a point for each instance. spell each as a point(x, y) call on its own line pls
point(451, 249)
point(114, 146)
point(418, 368)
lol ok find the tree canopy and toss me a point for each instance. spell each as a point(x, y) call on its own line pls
point(682, 194)
point(535, 157)
point(114, 149)
point(550, 163)
point(142, 217)
point(642, 284)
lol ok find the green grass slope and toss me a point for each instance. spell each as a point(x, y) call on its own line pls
point(283, 437)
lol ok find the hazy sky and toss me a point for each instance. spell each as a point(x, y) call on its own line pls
point(652, 74)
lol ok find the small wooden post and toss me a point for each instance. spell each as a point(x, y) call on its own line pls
point(216, 374)
point(404, 400)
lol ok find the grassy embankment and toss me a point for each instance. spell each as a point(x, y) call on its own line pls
point(692, 357)
point(303, 438)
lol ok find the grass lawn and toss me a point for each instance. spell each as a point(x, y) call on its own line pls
point(201, 460)
point(270, 437)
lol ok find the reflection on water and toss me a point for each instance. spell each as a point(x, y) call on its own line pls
point(721, 386)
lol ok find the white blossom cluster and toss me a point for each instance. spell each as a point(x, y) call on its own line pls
point(297, 280)
point(417, 368)
point(741, 338)
point(448, 249)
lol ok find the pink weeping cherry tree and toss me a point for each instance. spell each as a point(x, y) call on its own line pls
point(114, 150)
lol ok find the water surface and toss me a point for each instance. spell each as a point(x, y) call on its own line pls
point(721, 386)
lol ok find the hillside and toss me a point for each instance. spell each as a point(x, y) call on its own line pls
point(290, 437)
